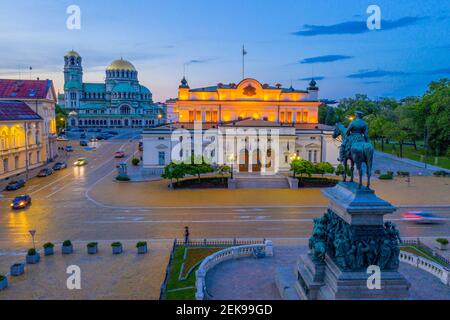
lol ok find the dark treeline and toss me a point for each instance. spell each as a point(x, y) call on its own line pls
point(409, 120)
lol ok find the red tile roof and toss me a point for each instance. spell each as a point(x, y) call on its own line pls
point(16, 110)
point(24, 89)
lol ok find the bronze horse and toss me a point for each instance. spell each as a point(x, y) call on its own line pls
point(359, 152)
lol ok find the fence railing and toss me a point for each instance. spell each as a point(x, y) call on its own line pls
point(166, 277)
point(427, 265)
point(236, 252)
point(428, 250)
point(218, 242)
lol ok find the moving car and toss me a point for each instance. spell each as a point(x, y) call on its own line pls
point(45, 172)
point(422, 217)
point(21, 202)
point(80, 162)
point(119, 155)
point(83, 143)
point(69, 149)
point(60, 166)
point(15, 185)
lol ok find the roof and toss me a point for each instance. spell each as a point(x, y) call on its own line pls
point(16, 110)
point(124, 87)
point(92, 106)
point(72, 85)
point(72, 53)
point(24, 89)
point(94, 87)
point(121, 65)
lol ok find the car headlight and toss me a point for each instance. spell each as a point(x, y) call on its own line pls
point(21, 203)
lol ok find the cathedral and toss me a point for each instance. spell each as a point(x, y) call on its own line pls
point(119, 102)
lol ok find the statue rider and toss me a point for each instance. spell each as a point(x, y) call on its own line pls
point(357, 131)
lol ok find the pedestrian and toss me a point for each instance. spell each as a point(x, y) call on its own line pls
point(186, 235)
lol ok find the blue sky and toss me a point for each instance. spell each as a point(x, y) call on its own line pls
point(287, 41)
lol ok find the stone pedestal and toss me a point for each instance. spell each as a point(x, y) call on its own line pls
point(345, 242)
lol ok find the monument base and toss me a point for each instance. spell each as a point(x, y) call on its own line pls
point(310, 275)
point(352, 285)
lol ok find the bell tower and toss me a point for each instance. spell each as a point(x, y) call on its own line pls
point(73, 79)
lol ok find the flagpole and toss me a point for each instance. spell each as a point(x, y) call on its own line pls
point(243, 62)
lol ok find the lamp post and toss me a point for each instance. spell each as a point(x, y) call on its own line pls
point(231, 159)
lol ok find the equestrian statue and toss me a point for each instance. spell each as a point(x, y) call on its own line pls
point(355, 147)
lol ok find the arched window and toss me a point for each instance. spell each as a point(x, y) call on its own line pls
point(125, 109)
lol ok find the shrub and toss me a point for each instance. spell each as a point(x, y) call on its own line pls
point(441, 173)
point(67, 243)
point(48, 245)
point(135, 161)
point(92, 244)
point(2, 277)
point(386, 176)
point(123, 178)
point(32, 252)
point(141, 244)
point(116, 244)
point(442, 241)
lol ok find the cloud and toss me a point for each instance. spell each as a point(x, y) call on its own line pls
point(355, 27)
point(200, 61)
point(363, 74)
point(324, 59)
point(318, 78)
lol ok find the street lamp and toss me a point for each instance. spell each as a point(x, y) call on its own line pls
point(293, 158)
point(231, 159)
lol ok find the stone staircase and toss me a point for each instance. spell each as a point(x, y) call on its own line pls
point(256, 181)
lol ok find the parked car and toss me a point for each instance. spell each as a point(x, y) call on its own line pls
point(21, 202)
point(80, 162)
point(114, 133)
point(62, 138)
point(69, 149)
point(119, 155)
point(83, 143)
point(60, 166)
point(83, 136)
point(424, 217)
point(15, 185)
point(141, 146)
point(91, 130)
point(45, 172)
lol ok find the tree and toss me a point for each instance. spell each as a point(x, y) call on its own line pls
point(327, 115)
point(174, 171)
point(224, 169)
point(199, 166)
point(323, 168)
point(60, 117)
point(301, 166)
point(432, 116)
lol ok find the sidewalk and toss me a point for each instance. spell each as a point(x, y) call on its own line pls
point(402, 164)
point(421, 191)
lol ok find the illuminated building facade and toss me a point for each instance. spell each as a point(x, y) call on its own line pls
point(22, 139)
point(236, 117)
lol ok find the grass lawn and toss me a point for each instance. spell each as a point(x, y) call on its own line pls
point(185, 289)
point(419, 251)
point(417, 155)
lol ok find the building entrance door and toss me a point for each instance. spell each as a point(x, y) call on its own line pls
point(243, 167)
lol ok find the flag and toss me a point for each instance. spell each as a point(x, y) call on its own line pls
point(243, 51)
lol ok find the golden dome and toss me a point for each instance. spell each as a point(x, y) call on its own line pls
point(72, 53)
point(121, 65)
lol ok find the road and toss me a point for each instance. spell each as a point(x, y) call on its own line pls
point(62, 210)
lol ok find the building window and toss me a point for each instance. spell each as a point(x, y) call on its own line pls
point(5, 165)
point(309, 155)
point(315, 156)
point(38, 156)
point(162, 158)
point(16, 162)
